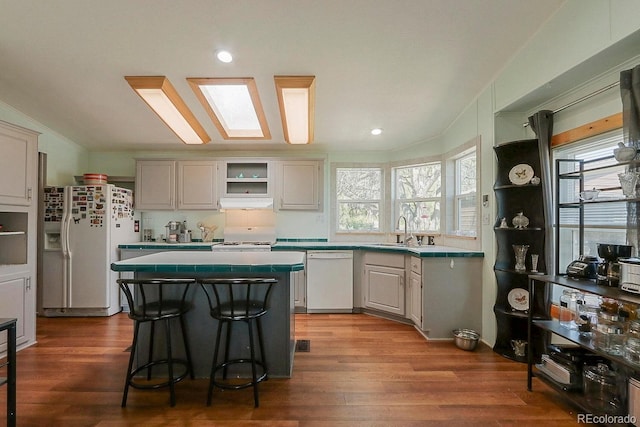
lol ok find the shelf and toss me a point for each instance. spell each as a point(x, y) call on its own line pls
point(524, 273)
point(591, 287)
point(513, 186)
point(518, 229)
point(595, 202)
point(512, 313)
point(243, 180)
point(577, 173)
point(12, 233)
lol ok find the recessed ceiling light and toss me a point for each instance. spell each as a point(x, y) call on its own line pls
point(376, 131)
point(224, 56)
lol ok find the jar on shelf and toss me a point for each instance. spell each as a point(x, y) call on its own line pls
point(520, 221)
point(631, 350)
point(588, 308)
point(609, 334)
point(569, 308)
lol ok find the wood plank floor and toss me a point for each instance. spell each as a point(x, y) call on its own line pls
point(360, 371)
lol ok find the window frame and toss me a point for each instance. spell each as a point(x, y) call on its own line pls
point(395, 201)
point(458, 196)
point(335, 216)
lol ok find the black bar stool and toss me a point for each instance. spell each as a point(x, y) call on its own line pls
point(148, 303)
point(238, 300)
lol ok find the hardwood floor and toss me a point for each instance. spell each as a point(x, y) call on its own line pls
point(360, 371)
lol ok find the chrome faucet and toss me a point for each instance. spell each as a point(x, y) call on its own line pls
point(406, 239)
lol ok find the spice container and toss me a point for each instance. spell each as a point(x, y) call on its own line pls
point(609, 334)
point(569, 308)
point(632, 350)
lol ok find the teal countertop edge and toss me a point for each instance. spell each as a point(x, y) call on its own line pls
point(419, 251)
point(208, 268)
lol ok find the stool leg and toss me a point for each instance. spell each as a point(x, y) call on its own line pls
point(226, 349)
point(152, 334)
point(254, 375)
point(263, 358)
point(187, 351)
point(172, 392)
point(134, 343)
point(214, 363)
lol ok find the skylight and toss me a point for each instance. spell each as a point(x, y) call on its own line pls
point(233, 105)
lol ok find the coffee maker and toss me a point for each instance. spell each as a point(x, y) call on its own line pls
point(609, 268)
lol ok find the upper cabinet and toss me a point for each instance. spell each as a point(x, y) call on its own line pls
point(167, 185)
point(19, 148)
point(197, 184)
point(155, 185)
point(247, 178)
point(299, 185)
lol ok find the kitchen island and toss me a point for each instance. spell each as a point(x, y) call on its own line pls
point(278, 323)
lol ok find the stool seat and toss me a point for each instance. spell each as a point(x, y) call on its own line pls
point(238, 300)
point(149, 304)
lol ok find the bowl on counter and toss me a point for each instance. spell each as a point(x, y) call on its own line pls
point(466, 339)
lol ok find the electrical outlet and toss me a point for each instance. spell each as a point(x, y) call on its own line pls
point(486, 218)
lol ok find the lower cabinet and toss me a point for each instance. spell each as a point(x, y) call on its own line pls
point(17, 302)
point(415, 298)
point(299, 282)
point(383, 282)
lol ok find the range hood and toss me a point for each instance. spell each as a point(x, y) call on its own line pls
point(246, 203)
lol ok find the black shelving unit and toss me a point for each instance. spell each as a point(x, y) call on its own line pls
point(533, 199)
point(539, 322)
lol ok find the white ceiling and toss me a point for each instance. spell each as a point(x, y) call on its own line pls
point(408, 66)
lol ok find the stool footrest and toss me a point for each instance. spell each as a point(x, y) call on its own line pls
point(230, 386)
point(154, 385)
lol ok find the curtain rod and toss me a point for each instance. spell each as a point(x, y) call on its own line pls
point(584, 98)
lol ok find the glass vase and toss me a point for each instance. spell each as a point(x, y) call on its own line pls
point(628, 181)
point(521, 254)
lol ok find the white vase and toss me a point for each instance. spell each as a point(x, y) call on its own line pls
point(628, 181)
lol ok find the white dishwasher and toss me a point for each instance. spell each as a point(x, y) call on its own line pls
point(329, 281)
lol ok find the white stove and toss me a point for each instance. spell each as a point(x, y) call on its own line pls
point(244, 239)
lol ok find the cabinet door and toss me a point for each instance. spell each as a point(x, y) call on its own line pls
point(384, 289)
point(415, 298)
point(18, 158)
point(15, 305)
point(155, 185)
point(298, 185)
point(300, 288)
point(197, 185)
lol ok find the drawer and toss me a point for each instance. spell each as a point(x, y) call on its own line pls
point(384, 259)
point(416, 265)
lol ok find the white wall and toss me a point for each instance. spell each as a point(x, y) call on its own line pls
point(64, 157)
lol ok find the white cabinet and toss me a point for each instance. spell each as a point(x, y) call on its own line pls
point(299, 185)
point(18, 163)
point(155, 185)
point(415, 291)
point(17, 302)
point(384, 288)
point(298, 279)
point(247, 178)
point(197, 184)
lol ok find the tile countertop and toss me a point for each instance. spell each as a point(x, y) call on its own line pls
point(420, 251)
point(207, 262)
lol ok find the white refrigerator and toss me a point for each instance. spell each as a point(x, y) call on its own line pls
point(83, 226)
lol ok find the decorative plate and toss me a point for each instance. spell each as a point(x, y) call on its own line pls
point(519, 299)
point(521, 174)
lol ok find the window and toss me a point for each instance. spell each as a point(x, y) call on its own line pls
point(465, 207)
point(417, 196)
point(603, 223)
point(359, 199)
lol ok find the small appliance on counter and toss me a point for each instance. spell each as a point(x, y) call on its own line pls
point(585, 267)
point(609, 268)
point(630, 274)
